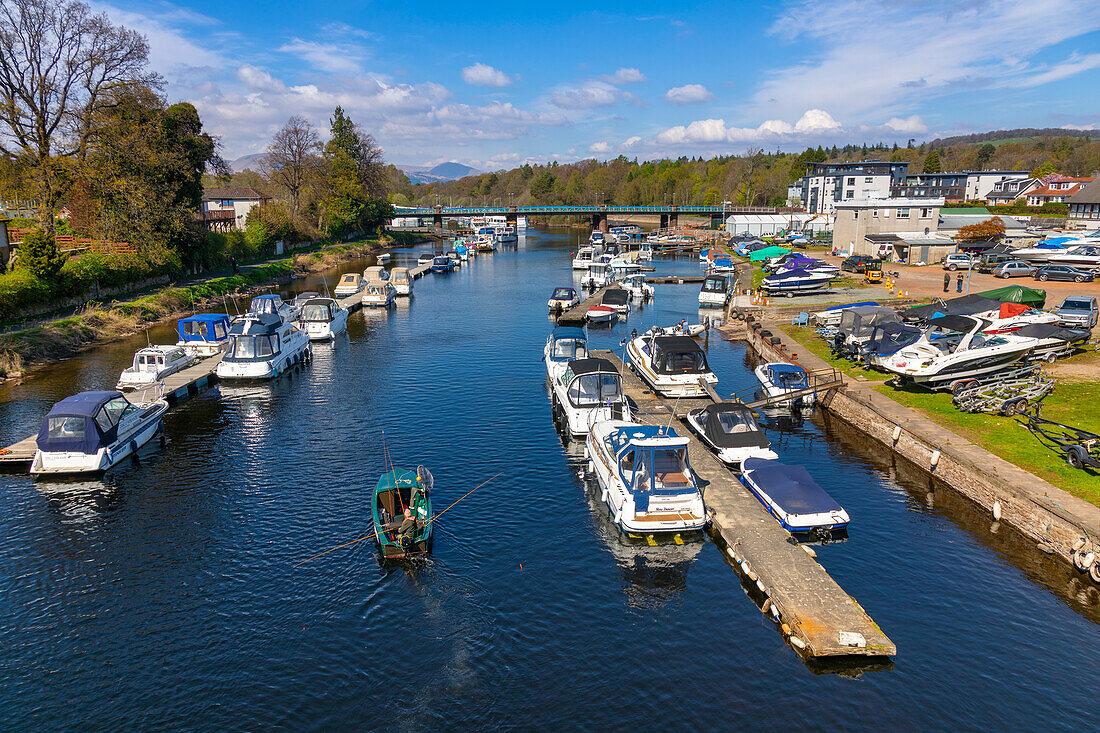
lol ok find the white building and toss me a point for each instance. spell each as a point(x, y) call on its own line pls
point(859, 220)
point(979, 184)
point(826, 184)
point(766, 225)
point(224, 209)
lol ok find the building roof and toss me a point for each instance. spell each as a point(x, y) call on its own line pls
point(235, 193)
point(958, 221)
point(968, 211)
point(1089, 194)
point(894, 202)
point(1048, 191)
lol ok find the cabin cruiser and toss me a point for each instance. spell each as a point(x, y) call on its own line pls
point(637, 287)
point(350, 284)
point(598, 275)
point(598, 238)
point(506, 234)
point(205, 334)
point(778, 378)
point(791, 495)
point(1053, 340)
point(565, 344)
point(797, 281)
point(601, 313)
point(152, 364)
point(673, 366)
point(731, 431)
point(716, 291)
point(401, 280)
point(375, 274)
point(443, 263)
point(485, 243)
point(455, 258)
point(856, 324)
point(583, 258)
point(645, 252)
point(953, 349)
point(563, 299)
point(618, 299)
point(271, 305)
point(425, 259)
point(886, 340)
point(1085, 257)
point(323, 318)
point(622, 263)
point(645, 477)
point(588, 392)
point(379, 294)
point(301, 299)
point(263, 347)
point(92, 431)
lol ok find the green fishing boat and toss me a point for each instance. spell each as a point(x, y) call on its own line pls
point(402, 509)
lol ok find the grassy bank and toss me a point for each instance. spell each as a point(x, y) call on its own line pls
point(97, 323)
point(1073, 402)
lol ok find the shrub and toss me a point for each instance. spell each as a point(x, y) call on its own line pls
point(21, 289)
point(39, 254)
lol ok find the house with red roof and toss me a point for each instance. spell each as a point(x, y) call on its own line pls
point(1057, 191)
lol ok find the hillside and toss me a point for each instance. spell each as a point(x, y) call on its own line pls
point(435, 174)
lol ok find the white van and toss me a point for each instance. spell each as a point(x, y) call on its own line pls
point(958, 261)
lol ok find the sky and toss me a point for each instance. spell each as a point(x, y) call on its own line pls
point(494, 85)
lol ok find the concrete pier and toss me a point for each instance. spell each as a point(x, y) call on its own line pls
point(816, 616)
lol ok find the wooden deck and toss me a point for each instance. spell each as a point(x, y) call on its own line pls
point(815, 614)
point(575, 316)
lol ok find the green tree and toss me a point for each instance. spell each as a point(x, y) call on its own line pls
point(932, 163)
point(39, 254)
point(985, 154)
point(1044, 170)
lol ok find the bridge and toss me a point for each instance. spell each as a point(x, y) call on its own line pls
point(598, 214)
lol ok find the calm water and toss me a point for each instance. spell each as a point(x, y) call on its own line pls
point(166, 595)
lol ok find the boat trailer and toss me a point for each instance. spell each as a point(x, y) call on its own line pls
point(1081, 447)
point(1007, 393)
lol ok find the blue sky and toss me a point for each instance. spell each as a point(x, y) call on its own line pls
point(496, 84)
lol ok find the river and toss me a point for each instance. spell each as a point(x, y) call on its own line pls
point(166, 594)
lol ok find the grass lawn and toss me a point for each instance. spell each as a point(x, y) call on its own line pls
point(1075, 401)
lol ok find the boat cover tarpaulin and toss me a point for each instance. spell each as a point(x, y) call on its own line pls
point(964, 306)
point(763, 254)
point(791, 488)
point(890, 338)
point(730, 425)
point(1017, 294)
point(1053, 331)
point(615, 296)
point(79, 433)
point(795, 275)
point(860, 320)
point(207, 321)
point(962, 324)
point(1011, 310)
point(592, 365)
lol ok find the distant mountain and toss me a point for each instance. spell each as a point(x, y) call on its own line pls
point(442, 172)
point(246, 161)
point(1022, 133)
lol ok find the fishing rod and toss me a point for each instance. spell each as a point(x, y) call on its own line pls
point(375, 534)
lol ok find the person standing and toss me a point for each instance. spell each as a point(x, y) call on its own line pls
point(959, 283)
point(946, 281)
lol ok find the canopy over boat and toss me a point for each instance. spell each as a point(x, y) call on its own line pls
point(265, 323)
point(890, 337)
point(860, 320)
point(678, 355)
point(715, 284)
point(763, 254)
point(1017, 294)
point(732, 425)
point(964, 306)
point(203, 327)
point(786, 376)
point(321, 310)
point(265, 304)
point(615, 297)
point(593, 365)
point(563, 294)
point(1053, 331)
point(790, 487)
point(962, 324)
point(82, 423)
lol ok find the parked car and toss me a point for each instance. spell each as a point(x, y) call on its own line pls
point(1078, 310)
point(1014, 268)
point(1063, 272)
point(990, 262)
point(958, 261)
point(856, 263)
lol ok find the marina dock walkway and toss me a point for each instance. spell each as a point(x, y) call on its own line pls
point(575, 316)
point(818, 617)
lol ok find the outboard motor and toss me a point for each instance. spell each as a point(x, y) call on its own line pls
point(838, 345)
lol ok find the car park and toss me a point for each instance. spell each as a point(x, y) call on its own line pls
point(1014, 268)
point(1063, 272)
point(958, 261)
point(1078, 311)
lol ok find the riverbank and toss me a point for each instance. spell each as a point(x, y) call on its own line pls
point(99, 323)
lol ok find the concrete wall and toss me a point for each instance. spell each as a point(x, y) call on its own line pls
point(854, 223)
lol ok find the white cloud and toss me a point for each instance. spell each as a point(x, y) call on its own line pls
point(485, 75)
point(600, 148)
point(688, 94)
point(170, 52)
point(910, 125)
point(915, 51)
point(624, 76)
point(328, 57)
point(586, 96)
point(813, 122)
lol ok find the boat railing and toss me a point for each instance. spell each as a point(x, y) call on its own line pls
point(818, 382)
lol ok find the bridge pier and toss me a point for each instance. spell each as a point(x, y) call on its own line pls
point(599, 221)
point(664, 221)
point(673, 220)
point(717, 222)
point(437, 222)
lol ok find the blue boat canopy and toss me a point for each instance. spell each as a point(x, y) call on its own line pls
point(568, 332)
point(82, 423)
point(203, 327)
point(787, 376)
point(796, 274)
point(790, 487)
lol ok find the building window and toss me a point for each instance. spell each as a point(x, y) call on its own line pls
point(874, 213)
point(227, 204)
point(925, 213)
point(885, 213)
point(868, 180)
point(851, 181)
point(850, 195)
point(903, 213)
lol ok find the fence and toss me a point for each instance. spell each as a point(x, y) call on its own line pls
point(71, 243)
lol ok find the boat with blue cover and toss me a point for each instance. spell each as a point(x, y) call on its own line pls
point(645, 477)
point(91, 432)
point(402, 512)
point(564, 344)
point(791, 495)
point(778, 378)
point(205, 334)
point(797, 281)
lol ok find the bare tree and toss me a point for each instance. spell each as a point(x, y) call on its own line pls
point(292, 159)
point(59, 64)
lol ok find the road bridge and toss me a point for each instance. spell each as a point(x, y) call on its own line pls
point(598, 214)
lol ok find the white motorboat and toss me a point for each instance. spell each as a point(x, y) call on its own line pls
point(1011, 317)
point(778, 378)
point(425, 259)
point(953, 350)
point(301, 299)
point(205, 334)
point(263, 347)
point(382, 258)
point(583, 258)
point(645, 478)
point(375, 274)
point(791, 495)
point(322, 319)
point(506, 234)
point(603, 314)
point(152, 364)
point(683, 328)
point(645, 252)
point(401, 280)
point(564, 344)
point(637, 287)
point(1085, 257)
point(379, 294)
point(588, 392)
point(562, 299)
point(716, 291)
point(272, 305)
point(797, 281)
point(673, 366)
point(722, 265)
point(350, 284)
point(92, 431)
point(617, 298)
point(1052, 340)
point(731, 431)
point(623, 263)
point(598, 275)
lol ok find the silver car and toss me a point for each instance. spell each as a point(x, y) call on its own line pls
point(1014, 268)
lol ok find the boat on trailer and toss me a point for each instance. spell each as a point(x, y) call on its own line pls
point(91, 432)
point(645, 477)
point(791, 495)
point(731, 431)
point(797, 281)
point(402, 512)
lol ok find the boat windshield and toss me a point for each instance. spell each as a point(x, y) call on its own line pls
point(714, 285)
point(733, 423)
point(265, 305)
point(562, 294)
point(400, 276)
point(316, 313)
point(253, 346)
point(588, 390)
point(147, 362)
point(570, 349)
point(110, 414)
point(662, 470)
point(788, 379)
point(681, 361)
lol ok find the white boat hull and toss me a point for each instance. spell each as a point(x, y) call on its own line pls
point(668, 385)
point(322, 331)
point(69, 463)
point(297, 352)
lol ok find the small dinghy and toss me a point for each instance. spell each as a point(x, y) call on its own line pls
point(731, 431)
point(791, 495)
point(402, 511)
point(601, 314)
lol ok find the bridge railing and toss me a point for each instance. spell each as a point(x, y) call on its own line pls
point(604, 209)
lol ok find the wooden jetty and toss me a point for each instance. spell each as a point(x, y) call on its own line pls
point(815, 615)
point(575, 316)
